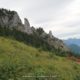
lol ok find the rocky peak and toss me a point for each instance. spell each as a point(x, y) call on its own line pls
point(50, 34)
point(27, 28)
point(10, 19)
point(26, 22)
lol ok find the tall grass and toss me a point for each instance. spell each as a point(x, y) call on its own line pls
point(19, 61)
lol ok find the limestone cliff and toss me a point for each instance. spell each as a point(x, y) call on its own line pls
point(55, 42)
point(10, 19)
point(27, 28)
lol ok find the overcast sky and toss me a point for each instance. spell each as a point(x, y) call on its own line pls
point(60, 16)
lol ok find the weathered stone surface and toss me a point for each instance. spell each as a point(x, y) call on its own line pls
point(58, 44)
point(16, 22)
point(10, 19)
point(55, 42)
point(50, 34)
point(27, 28)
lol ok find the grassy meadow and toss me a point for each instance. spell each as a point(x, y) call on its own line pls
point(22, 62)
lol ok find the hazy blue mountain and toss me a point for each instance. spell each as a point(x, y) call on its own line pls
point(75, 49)
point(74, 45)
point(72, 41)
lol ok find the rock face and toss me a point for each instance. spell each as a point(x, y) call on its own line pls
point(27, 28)
point(55, 42)
point(50, 34)
point(10, 19)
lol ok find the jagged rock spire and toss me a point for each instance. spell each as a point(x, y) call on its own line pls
point(50, 34)
point(27, 27)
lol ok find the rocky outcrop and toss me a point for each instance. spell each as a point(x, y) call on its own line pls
point(55, 42)
point(27, 28)
point(50, 34)
point(10, 19)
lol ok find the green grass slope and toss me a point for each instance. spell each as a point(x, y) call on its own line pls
point(21, 62)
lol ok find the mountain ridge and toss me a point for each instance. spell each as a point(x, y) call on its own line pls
point(72, 41)
point(15, 23)
point(74, 45)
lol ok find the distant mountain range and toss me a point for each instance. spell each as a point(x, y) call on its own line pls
point(72, 41)
point(75, 49)
point(74, 45)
